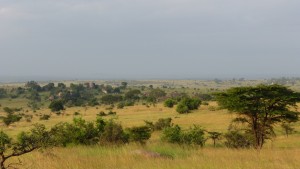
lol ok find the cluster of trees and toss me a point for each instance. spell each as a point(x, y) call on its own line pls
point(91, 94)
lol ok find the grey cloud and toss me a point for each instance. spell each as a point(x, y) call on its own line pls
point(178, 38)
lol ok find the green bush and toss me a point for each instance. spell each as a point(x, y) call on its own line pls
point(121, 105)
point(56, 105)
point(169, 103)
point(139, 134)
point(237, 139)
point(172, 134)
point(11, 118)
point(182, 108)
point(78, 132)
point(159, 124)
point(113, 133)
point(8, 110)
point(192, 136)
point(187, 104)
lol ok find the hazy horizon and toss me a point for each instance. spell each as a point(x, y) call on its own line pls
point(166, 39)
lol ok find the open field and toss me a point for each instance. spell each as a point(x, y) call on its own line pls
point(280, 153)
point(182, 158)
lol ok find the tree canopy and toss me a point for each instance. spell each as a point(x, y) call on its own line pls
point(260, 107)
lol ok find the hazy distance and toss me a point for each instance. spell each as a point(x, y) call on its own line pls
point(142, 39)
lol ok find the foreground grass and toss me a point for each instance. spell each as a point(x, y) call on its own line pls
point(281, 153)
point(176, 157)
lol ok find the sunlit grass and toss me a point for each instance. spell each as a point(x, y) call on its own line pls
point(124, 157)
point(281, 153)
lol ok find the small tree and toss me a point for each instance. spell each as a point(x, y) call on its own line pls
point(287, 128)
point(215, 136)
point(27, 142)
point(56, 105)
point(124, 85)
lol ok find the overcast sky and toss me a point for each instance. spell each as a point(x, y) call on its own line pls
point(149, 38)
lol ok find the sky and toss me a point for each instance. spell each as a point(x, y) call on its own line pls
point(140, 39)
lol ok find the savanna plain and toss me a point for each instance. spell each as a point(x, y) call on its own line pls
point(279, 152)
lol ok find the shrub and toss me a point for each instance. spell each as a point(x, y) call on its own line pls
point(11, 118)
point(45, 117)
point(192, 136)
point(181, 108)
point(121, 105)
point(172, 134)
point(169, 103)
point(78, 132)
point(129, 103)
point(56, 105)
point(8, 110)
point(111, 113)
point(237, 139)
point(113, 133)
point(101, 113)
point(162, 123)
point(159, 124)
point(187, 104)
point(93, 102)
point(139, 134)
point(76, 113)
point(110, 99)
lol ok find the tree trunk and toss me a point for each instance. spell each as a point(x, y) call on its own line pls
point(2, 163)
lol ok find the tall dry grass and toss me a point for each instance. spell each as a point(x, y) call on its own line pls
point(174, 157)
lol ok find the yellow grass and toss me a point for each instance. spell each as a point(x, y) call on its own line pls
point(125, 158)
point(281, 153)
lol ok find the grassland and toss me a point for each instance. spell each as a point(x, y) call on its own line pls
point(280, 153)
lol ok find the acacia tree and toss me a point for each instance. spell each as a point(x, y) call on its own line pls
point(260, 108)
point(214, 136)
point(27, 142)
